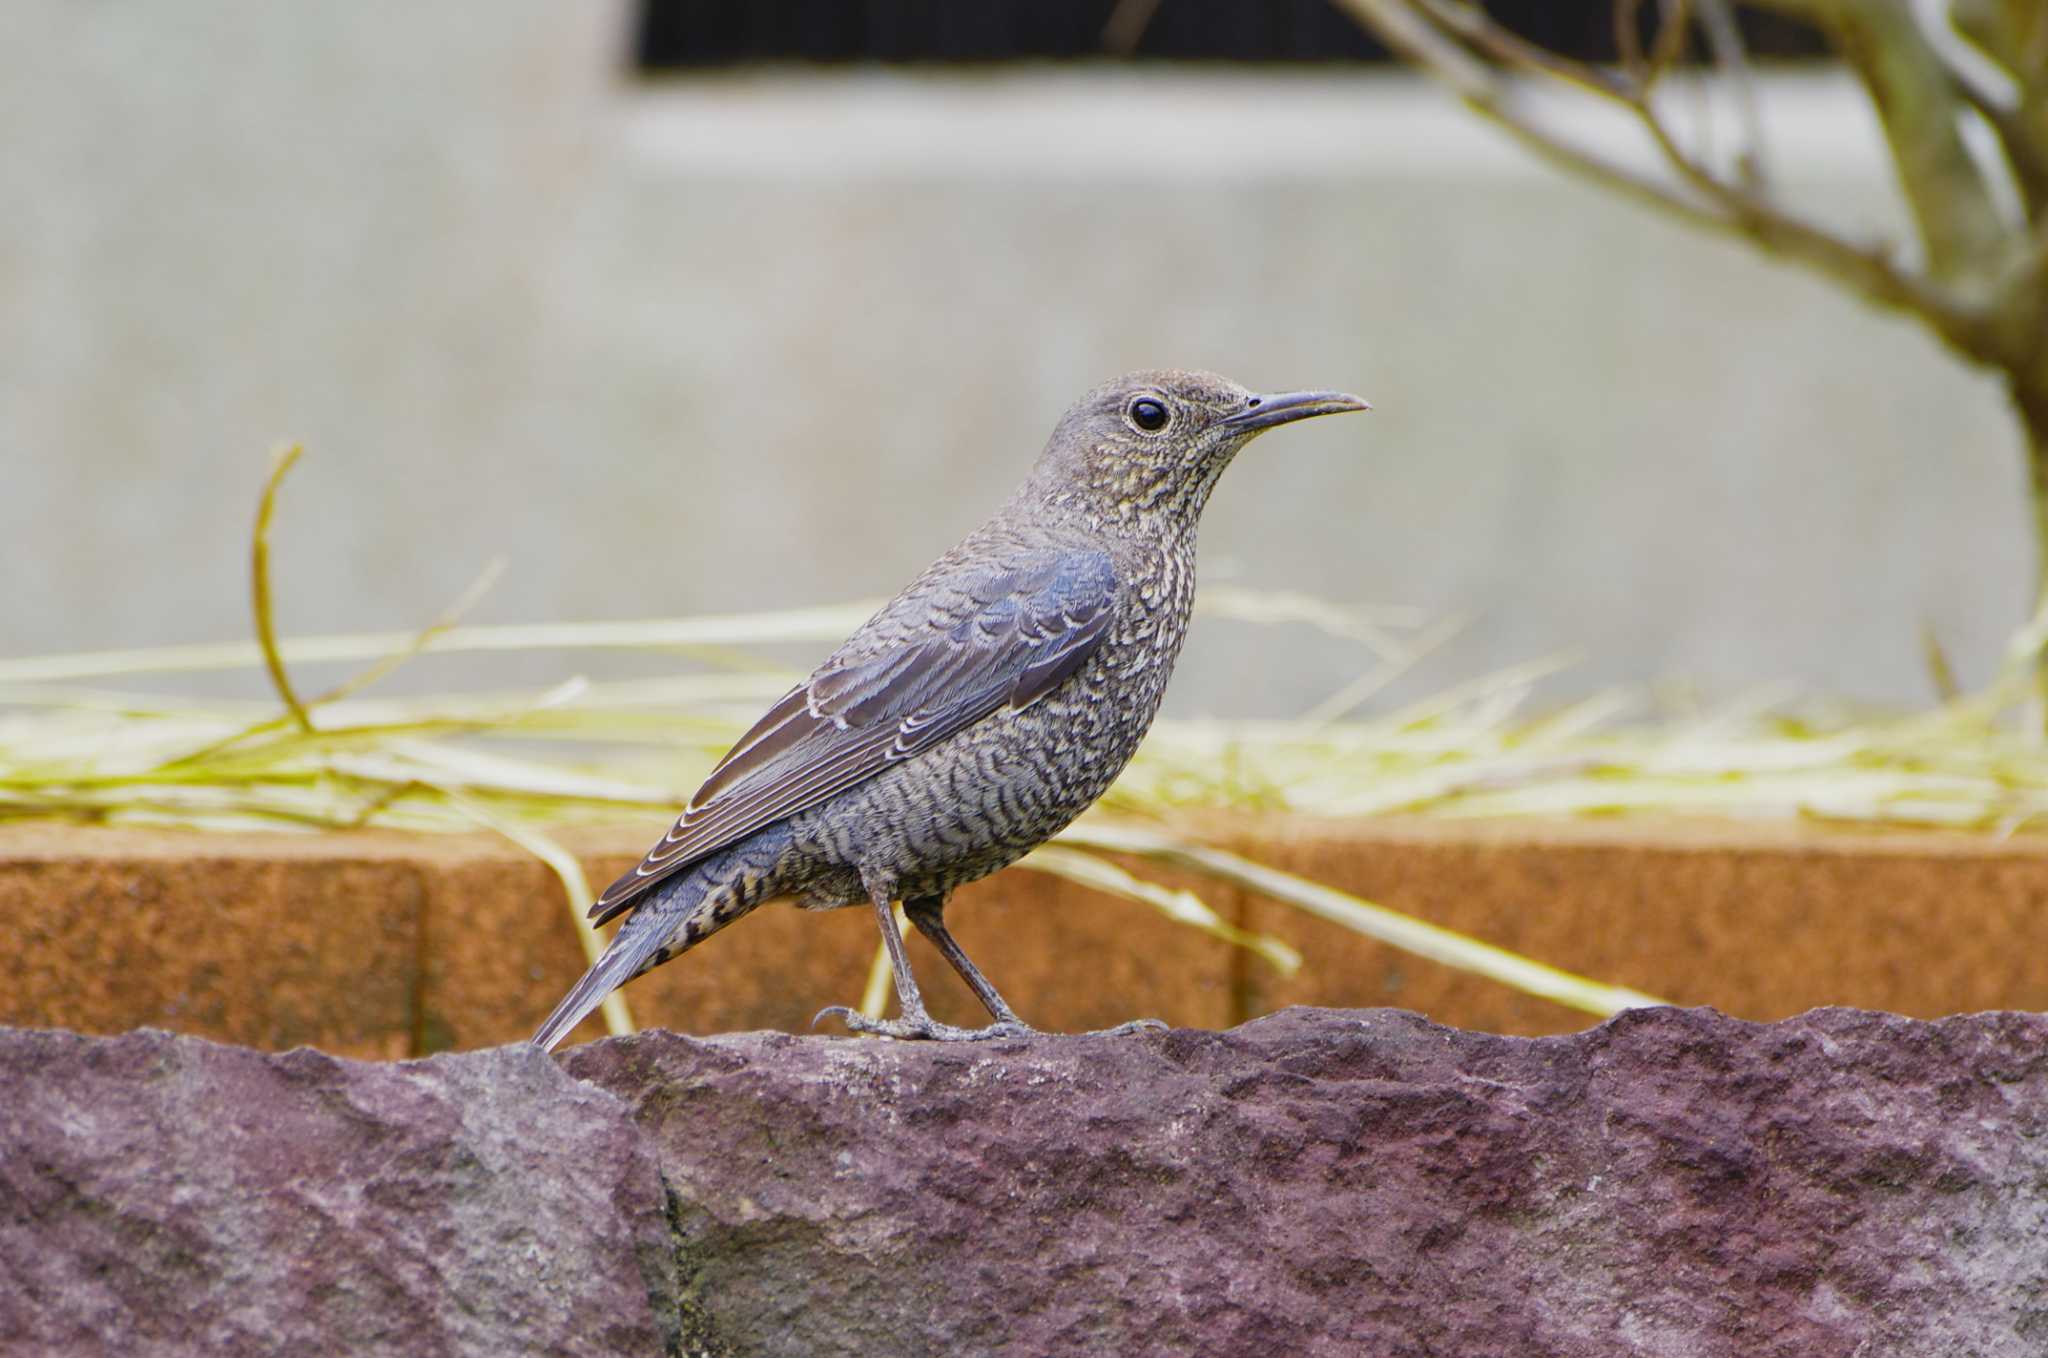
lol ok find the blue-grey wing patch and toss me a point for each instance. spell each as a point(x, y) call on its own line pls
point(1029, 629)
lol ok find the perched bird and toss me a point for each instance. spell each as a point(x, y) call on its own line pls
point(973, 717)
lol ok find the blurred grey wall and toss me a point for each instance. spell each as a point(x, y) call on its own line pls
point(744, 341)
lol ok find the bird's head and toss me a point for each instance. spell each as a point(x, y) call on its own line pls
point(1153, 443)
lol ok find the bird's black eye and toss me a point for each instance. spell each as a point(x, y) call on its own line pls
point(1149, 415)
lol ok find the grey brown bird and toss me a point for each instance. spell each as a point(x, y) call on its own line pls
point(973, 717)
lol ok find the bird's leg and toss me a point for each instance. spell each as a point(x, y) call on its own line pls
point(913, 1021)
point(928, 914)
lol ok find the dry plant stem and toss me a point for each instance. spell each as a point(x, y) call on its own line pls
point(1179, 905)
point(699, 634)
point(1402, 931)
point(273, 658)
point(652, 634)
point(266, 630)
point(618, 1019)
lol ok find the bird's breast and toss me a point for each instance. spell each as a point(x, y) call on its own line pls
point(988, 795)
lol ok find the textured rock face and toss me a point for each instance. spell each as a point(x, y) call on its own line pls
point(1673, 1184)
point(165, 1195)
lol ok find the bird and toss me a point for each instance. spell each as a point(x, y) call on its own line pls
point(973, 717)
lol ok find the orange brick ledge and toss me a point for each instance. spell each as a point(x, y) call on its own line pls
point(377, 943)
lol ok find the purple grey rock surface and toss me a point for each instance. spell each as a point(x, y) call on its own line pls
point(166, 1195)
point(1674, 1184)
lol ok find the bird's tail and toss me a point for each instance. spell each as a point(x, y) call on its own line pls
point(676, 916)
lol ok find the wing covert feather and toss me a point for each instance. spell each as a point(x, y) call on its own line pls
point(1009, 639)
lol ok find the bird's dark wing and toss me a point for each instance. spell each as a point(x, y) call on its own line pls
point(1007, 639)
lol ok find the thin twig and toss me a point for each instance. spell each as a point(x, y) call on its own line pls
point(1710, 202)
point(1123, 31)
point(1676, 22)
point(1628, 40)
point(1724, 40)
point(1475, 26)
point(1644, 73)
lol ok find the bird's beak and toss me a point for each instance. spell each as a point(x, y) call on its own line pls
point(1266, 411)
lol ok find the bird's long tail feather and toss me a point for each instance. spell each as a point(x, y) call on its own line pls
point(677, 915)
point(620, 963)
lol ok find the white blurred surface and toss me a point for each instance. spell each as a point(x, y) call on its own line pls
point(747, 341)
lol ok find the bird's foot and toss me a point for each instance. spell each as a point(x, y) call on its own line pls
point(922, 1027)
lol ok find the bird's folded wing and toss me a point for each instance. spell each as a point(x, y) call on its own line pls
point(1009, 639)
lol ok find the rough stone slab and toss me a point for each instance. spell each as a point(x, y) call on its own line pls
point(1674, 1184)
point(168, 1196)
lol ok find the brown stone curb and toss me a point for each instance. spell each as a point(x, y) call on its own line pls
point(383, 944)
point(1760, 921)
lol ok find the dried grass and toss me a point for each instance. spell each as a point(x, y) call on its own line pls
point(520, 763)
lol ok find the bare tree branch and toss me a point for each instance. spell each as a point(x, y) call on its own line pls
point(1418, 41)
point(1701, 197)
point(1126, 25)
point(2024, 151)
point(1628, 18)
point(1472, 23)
point(2012, 35)
point(1724, 40)
point(1675, 16)
point(1984, 289)
point(1966, 240)
point(1670, 44)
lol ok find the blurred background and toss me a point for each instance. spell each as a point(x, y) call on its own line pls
point(693, 306)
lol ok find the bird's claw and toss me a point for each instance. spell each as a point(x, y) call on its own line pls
point(1145, 1025)
point(922, 1028)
